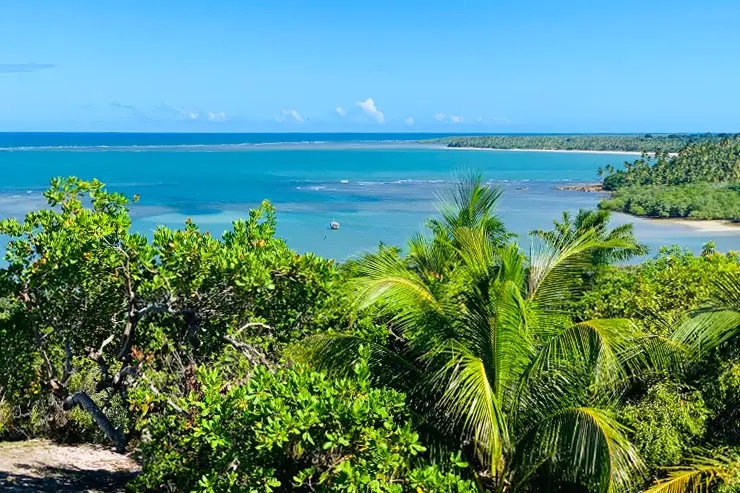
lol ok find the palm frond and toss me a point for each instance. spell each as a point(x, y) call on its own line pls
point(705, 331)
point(386, 282)
point(700, 475)
point(469, 402)
point(470, 203)
point(716, 323)
point(554, 268)
point(337, 355)
point(585, 442)
point(475, 250)
point(650, 353)
point(429, 257)
point(624, 244)
point(599, 347)
point(727, 291)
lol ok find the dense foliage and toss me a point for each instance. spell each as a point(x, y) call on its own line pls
point(293, 428)
point(671, 284)
point(464, 364)
point(86, 301)
point(700, 182)
point(592, 142)
point(692, 201)
point(694, 406)
point(486, 354)
point(711, 162)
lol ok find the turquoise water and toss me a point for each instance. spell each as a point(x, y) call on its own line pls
point(377, 192)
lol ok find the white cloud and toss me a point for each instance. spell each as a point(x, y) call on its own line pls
point(341, 111)
point(217, 116)
point(289, 115)
point(193, 115)
point(457, 119)
point(439, 116)
point(368, 106)
point(409, 121)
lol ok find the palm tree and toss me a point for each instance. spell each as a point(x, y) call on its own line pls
point(471, 203)
point(491, 364)
point(623, 237)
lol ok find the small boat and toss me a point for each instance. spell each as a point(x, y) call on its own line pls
point(333, 225)
point(344, 181)
point(522, 188)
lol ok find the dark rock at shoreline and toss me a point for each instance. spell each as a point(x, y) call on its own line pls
point(581, 187)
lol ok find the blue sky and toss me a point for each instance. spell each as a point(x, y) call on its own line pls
point(383, 65)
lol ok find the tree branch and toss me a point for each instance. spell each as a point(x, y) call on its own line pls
point(253, 355)
point(85, 401)
point(131, 318)
point(169, 401)
point(67, 362)
point(253, 324)
point(97, 356)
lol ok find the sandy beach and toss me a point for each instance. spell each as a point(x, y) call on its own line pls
point(706, 226)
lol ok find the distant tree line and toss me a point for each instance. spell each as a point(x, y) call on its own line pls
point(700, 182)
point(669, 143)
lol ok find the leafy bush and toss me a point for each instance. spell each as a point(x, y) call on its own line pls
point(80, 293)
point(669, 285)
point(294, 429)
point(666, 423)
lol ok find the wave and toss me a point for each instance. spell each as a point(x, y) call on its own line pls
point(406, 181)
point(198, 147)
point(314, 188)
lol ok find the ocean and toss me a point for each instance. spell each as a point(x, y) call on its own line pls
point(379, 187)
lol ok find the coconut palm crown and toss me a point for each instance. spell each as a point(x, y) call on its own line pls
point(480, 340)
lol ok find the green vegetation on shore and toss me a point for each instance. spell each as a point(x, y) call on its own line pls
point(700, 182)
point(590, 142)
point(691, 201)
point(466, 364)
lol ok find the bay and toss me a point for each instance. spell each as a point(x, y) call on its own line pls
point(380, 188)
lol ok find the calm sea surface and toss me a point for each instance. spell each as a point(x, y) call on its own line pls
point(376, 186)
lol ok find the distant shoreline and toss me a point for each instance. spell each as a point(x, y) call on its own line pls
point(703, 225)
point(576, 151)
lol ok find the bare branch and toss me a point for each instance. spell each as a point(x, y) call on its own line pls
point(97, 356)
point(83, 400)
point(253, 324)
point(169, 401)
point(67, 362)
point(253, 355)
point(131, 318)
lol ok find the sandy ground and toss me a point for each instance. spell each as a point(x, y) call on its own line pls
point(707, 226)
point(39, 465)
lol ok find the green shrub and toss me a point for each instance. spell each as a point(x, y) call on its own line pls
point(80, 292)
point(294, 429)
point(669, 285)
point(666, 423)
